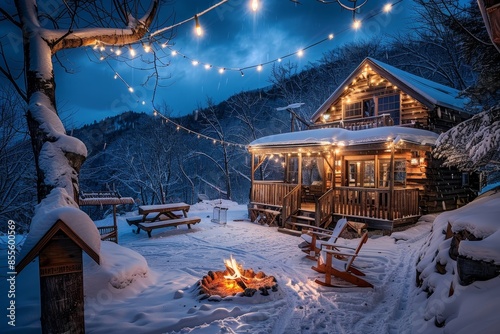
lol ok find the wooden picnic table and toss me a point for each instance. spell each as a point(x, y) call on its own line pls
point(163, 209)
point(162, 215)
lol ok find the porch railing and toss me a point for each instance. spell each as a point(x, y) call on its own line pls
point(270, 193)
point(375, 203)
point(359, 123)
point(324, 207)
point(291, 203)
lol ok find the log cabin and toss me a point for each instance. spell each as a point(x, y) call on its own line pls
point(366, 156)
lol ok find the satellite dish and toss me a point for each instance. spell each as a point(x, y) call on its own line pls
point(291, 106)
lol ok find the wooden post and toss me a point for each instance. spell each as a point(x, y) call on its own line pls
point(61, 286)
point(390, 212)
point(252, 176)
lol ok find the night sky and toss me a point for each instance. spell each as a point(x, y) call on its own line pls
point(234, 37)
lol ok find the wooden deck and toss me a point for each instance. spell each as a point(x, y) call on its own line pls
point(380, 208)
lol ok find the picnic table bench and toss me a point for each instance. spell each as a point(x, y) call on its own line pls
point(162, 215)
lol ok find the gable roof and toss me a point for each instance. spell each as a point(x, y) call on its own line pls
point(428, 92)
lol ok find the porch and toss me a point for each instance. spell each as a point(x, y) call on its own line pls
point(379, 208)
point(375, 176)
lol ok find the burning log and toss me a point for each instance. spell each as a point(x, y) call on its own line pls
point(236, 280)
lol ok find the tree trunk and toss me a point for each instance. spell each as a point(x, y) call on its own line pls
point(58, 157)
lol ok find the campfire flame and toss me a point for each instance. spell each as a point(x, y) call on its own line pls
point(233, 268)
point(236, 280)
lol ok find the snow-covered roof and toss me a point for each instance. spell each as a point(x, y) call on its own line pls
point(426, 91)
point(55, 207)
point(343, 137)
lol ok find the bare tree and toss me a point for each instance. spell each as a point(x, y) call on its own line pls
point(17, 177)
point(215, 129)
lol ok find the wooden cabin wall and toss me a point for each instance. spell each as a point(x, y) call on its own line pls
point(443, 119)
point(444, 188)
point(413, 112)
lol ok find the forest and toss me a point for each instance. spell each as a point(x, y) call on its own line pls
point(158, 159)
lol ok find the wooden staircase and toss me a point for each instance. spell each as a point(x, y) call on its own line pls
point(302, 218)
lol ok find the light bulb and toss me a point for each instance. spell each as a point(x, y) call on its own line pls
point(147, 48)
point(356, 24)
point(300, 53)
point(255, 5)
point(387, 8)
point(130, 89)
point(259, 68)
point(174, 53)
point(195, 62)
point(197, 27)
point(132, 52)
point(330, 36)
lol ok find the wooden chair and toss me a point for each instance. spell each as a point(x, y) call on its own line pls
point(315, 238)
point(330, 264)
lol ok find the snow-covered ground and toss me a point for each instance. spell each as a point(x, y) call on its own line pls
point(147, 285)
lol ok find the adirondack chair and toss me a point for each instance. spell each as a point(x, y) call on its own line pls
point(315, 238)
point(338, 263)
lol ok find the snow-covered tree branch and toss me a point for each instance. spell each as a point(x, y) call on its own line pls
point(474, 144)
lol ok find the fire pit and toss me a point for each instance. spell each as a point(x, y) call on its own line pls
point(236, 281)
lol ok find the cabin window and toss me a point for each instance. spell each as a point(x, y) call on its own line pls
point(390, 104)
point(361, 173)
point(353, 109)
point(312, 170)
point(385, 173)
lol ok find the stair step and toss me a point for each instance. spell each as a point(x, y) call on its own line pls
point(289, 231)
point(303, 218)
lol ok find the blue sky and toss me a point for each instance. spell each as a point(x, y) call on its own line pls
point(234, 37)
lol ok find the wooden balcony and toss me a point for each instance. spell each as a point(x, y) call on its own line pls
point(358, 123)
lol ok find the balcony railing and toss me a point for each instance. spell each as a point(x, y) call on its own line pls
point(358, 123)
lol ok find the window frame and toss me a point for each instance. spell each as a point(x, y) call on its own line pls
point(390, 111)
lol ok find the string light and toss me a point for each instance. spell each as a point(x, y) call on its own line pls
point(132, 52)
point(259, 67)
point(197, 27)
point(198, 135)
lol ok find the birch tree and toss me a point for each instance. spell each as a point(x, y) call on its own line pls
point(41, 30)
